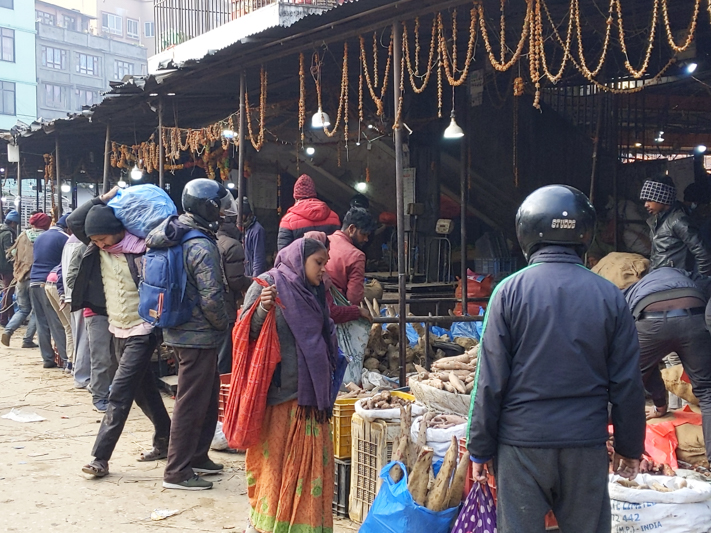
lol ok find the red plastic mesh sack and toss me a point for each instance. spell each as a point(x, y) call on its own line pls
point(478, 286)
point(478, 515)
point(253, 365)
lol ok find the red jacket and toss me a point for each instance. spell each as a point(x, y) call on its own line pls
point(306, 215)
point(346, 267)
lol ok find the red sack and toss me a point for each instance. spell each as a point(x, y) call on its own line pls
point(253, 365)
point(478, 286)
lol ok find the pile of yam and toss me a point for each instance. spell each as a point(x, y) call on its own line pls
point(437, 493)
point(630, 484)
point(382, 353)
point(451, 374)
point(385, 400)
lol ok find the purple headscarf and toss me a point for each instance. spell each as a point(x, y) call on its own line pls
point(305, 315)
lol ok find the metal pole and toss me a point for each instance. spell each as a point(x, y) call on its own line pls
point(596, 148)
point(58, 178)
point(401, 273)
point(241, 147)
point(161, 148)
point(463, 205)
point(107, 149)
point(19, 189)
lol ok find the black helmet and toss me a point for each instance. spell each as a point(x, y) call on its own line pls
point(555, 214)
point(206, 200)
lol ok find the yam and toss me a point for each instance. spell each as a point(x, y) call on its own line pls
point(457, 383)
point(437, 497)
point(470, 387)
point(417, 484)
point(400, 454)
point(456, 489)
point(445, 364)
point(422, 433)
point(449, 387)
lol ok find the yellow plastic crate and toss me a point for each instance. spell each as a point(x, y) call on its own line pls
point(343, 411)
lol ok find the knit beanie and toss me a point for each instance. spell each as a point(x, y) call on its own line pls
point(100, 220)
point(62, 222)
point(40, 221)
point(658, 191)
point(304, 188)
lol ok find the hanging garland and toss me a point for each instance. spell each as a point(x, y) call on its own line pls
point(386, 75)
point(450, 70)
point(415, 73)
point(302, 97)
point(262, 111)
point(343, 98)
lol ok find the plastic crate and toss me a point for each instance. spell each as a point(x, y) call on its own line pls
point(225, 380)
point(498, 268)
point(342, 487)
point(371, 449)
point(343, 411)
point(550, 522)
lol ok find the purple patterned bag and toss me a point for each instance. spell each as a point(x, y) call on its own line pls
point(479, 512)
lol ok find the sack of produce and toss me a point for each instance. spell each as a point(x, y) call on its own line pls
point(440, 430)
point(691, 447)
point(479, 512)
point(660, 503)
point(674, 383)
point(385, 406)
point(478, 286)
point(395, 511)
point(142, 208)
point(622, 269)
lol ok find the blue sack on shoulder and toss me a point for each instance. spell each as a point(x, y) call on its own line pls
point(142, 208)
point(394, 510)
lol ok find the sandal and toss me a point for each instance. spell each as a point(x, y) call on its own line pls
point(96, 468)
point(153, 455)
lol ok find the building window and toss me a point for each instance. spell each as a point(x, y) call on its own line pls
point(112, 23)
point(55, 96)
point(7, 3)
point(54, 58)
point(121, 68)
point(69, 22)
point(148, 29)
point(7, 45)
point(46, 18)
point(132, 29)
point(87, 64)
point(7, 98)
point(85, 97)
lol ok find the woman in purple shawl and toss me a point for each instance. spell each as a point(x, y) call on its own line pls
point(290, 472)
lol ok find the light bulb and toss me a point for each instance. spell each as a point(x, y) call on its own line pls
point(453, 131)
point(66, 187)
point(701, 149)
point(122, 184)
point(91, 185)
point(691, 67)
point(320, 119)
point(230, 185)
point(361, 186)
point(310, 150)
point(136, 173)
point(228, 134)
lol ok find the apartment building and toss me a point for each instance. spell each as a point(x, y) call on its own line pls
point(18, 82)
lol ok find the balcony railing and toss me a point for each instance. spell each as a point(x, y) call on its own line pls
point(177, 21)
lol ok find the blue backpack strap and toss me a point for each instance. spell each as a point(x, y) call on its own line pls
point(192, 234)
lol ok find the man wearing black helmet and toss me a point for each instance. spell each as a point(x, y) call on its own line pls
point(559, 343)
point(196, 342)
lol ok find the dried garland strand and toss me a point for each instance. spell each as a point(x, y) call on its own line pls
point(401, 97)
point(690, 32)
point(371, 88)
point(451, 70)
point(500, 65)
point(342, 100)
point(623, 45)
point(302, 97)
point(406, 52)
point(555, 78)
point(259, 143)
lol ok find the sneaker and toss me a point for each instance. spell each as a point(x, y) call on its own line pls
point(194, 483)
point(81, 385)
point(30, 345)
point(101, 406)
point(49, 364)
point(5, 339)
point(208, 467)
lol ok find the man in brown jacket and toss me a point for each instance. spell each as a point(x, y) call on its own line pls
point(21, 255)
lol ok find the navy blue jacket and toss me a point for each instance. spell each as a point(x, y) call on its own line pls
point(47, 253)
point(663, 281)
point(559, 343)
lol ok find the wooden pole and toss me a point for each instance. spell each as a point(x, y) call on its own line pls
point(241, 147)
point(58, 178)
point(107, 150)
point(161, 148)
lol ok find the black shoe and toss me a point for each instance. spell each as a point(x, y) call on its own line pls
point(30, 345)
point(50, 364)
point(5, 339)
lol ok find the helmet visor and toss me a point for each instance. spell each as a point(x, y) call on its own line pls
point(228, 206)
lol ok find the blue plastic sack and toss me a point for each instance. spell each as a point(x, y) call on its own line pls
point(438, 331)
point(394, 510)
point(141, 208)
point(472, 330)
point(412, 335)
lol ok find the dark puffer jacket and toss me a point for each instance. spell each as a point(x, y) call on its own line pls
point(232, 254)
point(205, 284)
point(676, 243)
point(310, 214)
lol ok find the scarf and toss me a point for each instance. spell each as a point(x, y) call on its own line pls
point(307, 316)
point(130, 244)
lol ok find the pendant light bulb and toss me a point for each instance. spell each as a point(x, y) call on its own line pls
point(320, 119)
point(136, 173)
point(453, 131)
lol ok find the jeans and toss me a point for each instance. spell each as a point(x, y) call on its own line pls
point(194, 414)
point(134, 380)
point(82, 352)
point(570, 481)
point(64, 316)
point(22, 292)
point(48, 325)
point(103, 356)
point(688, 337)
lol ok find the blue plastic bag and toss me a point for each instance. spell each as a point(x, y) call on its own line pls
point(438, 331)
point(472, 330)
point(141, 208)
point(394, 510)
point(412, 335)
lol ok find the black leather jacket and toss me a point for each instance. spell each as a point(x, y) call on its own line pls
point(676, 242)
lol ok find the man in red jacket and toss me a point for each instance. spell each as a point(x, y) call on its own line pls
point(308, 214)
point(346, 265)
